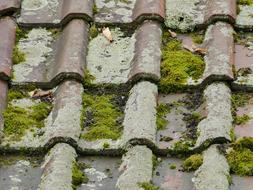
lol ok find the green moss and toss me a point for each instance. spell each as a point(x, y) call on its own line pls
point(182, 146)
point(240, 161)
point(147, 186)
point(173, 166)
point(104, 115)
point(193, 162)
point(78, 176)
point(155, 162)
point(245, 142)
point(241, 120)
point(17, 56)
point(18, 120)
point(93, 33)
point(232, 135)
point(95, 9)
point(197, 38)
point(88, 78)
point(20, 34)
point(54, 32)
point(161, 111)
point(245, 2)
point(106, 145)
point(16, 94)
point(177, 66)
point(240, 100)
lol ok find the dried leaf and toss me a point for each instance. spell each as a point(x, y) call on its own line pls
point(201, 51)
point(107, 33)
point(188, 48)
point(173, 34)
point(40, 93)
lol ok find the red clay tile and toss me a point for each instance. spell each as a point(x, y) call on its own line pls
point(9, 6)
point(7, 39)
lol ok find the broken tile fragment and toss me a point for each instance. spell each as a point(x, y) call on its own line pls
point(216, 127)
point(214, 172)
point(136, 168)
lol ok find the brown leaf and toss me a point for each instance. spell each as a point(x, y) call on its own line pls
point(201, 51)
point(40, 93)
point(188, 48)
point(173, 34)
point(107, 33)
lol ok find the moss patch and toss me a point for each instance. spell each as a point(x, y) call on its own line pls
point(18, 120)
point(93, 33)
point(193, 162)
point(20, 33)
point(173, 166)
point(161, 111)
point(17, 56)
point(88, 78)
point(78, 176)
point(197, 38)
point(177, 66)
point(147, 186)
point(101, 117)
point(245, 2)
point(241, 120)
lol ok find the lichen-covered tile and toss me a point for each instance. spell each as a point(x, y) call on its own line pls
point(54, 12)
point(126, 12)
point(147, 55)
point(51, 56)
point(136, 168)
point(9, 6)
point(186, 15)
point(140, 114)
point(244, 18)
point(217, 126)
point(58, 168)
point(214, 172)
point(63, 122)
point(139, 52)
point(219, 59)
point(7, 39)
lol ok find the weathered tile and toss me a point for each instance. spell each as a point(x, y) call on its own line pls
point(242, 183)
point(140, 55)
point(216, 127)
point(146, 62)
point(186, 15)
point(49, 61)
point(7, 38)
point(140, 114)
point(132, 11)
point(9, 6)
point(20, 172)
point(166, 178)
point(63, 122)
point(57, 168)
point(136, 168)
point(54, 12)
point(220, 52)
point(102, 173)
point(214, 172)
point(244, 18)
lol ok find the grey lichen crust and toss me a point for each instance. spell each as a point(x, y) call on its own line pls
point(218, 123)
point(36, 47)
point(244, 18)
point(110, 62)
point(213, 173)
point(64, 120)
point(140, 113)
point(184, 15)
point(120, 10)
point(136, 167)
point(57, 168)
